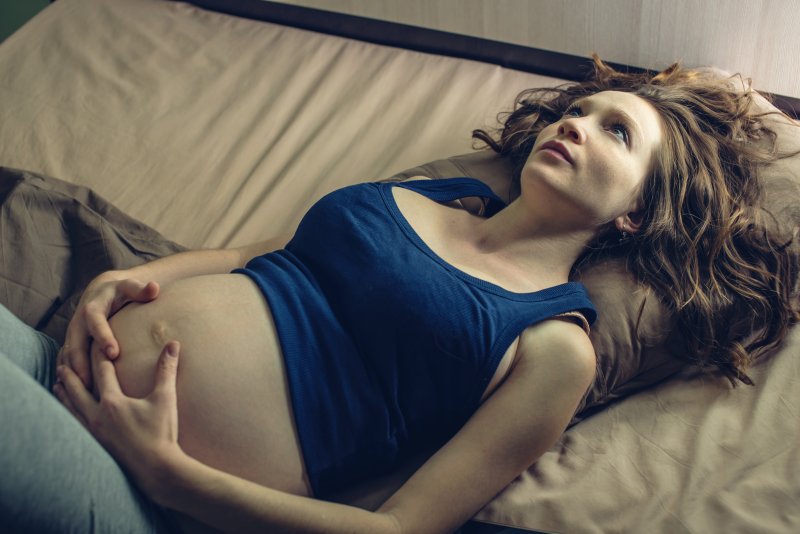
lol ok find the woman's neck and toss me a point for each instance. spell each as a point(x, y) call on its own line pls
point(544, 247)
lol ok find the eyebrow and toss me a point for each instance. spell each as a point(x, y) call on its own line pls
point(619, 112)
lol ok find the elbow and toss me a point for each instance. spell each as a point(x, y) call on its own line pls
point(392, 524)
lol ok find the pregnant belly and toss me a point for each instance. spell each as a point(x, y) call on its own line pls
point(234, 408)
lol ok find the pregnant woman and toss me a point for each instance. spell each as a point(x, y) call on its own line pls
point(239, 388)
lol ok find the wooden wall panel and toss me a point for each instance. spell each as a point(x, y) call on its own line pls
point(758, 38)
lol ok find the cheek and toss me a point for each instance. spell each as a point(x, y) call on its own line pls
point(616, 190)
point(545, 134)
point(627, 188)
point(530, 156)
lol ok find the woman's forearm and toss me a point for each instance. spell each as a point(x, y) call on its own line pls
point(197, 262)
point(182, 265)
point(230, 503)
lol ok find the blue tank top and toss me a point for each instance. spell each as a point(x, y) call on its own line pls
point(387, 347)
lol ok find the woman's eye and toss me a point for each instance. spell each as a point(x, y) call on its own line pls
point(619, 129)
point(621, 132)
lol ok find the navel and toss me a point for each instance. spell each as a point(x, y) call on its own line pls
point(159, 333)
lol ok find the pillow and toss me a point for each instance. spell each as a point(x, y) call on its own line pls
point(633, 337)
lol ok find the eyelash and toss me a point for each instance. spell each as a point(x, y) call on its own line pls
point(618, 126)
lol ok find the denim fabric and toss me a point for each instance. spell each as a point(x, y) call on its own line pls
point(55, 476)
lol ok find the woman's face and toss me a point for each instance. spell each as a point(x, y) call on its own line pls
point(592, 162)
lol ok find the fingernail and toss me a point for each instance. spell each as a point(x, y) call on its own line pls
point(171, 350)
point(109, 351)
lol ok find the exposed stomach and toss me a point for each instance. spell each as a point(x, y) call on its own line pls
point(234, 408)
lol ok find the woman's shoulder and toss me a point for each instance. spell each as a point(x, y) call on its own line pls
point(559, 338)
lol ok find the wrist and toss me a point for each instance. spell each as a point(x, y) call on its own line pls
point(169, 473)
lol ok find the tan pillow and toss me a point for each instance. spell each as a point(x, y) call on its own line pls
point(633, 337)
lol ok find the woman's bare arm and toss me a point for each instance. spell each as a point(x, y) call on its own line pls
point(521, 420)
point(198, 262)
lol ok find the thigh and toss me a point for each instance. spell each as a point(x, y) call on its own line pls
point(55, 476)
point(28, 349)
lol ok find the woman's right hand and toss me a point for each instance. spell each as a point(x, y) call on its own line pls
point(102, 298)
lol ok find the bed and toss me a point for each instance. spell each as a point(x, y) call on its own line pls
point(137, 128)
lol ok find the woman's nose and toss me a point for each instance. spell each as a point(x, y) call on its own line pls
point(572, 129)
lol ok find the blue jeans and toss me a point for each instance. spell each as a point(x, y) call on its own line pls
point(54, 476)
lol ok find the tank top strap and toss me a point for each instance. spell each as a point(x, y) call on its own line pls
point(447, 189)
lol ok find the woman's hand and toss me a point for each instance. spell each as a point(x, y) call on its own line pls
point(103, 297)
point(141, 434)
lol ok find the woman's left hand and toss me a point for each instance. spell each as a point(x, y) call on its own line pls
point(141, 434)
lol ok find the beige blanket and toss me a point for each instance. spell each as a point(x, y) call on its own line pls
point(219, 131)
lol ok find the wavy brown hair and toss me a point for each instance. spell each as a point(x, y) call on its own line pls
point(706, 245)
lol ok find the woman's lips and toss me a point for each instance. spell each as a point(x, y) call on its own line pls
point(558, 150)
point(555, 153)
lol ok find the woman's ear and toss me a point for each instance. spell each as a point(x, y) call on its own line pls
point(630, 222)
